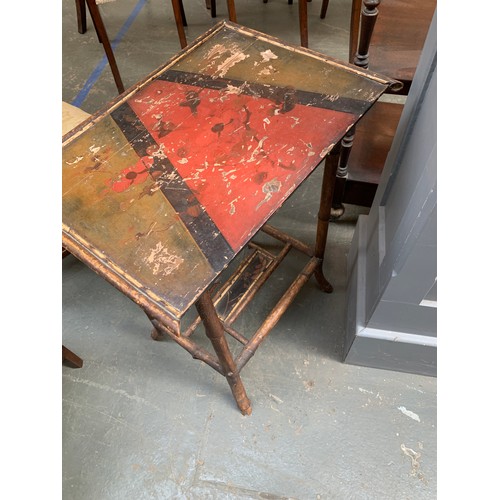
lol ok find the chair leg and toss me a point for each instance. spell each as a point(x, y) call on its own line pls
point(324, 7)
point(101, 32)
point(81, 16)
point(183, 14)
point(177, 7)
point(71, 358)
point(94, 23)
point(231, 9)
point(304, 41)
point(212, 7)
point(215, 332)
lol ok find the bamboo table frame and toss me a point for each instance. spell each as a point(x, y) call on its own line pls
point(165, 186)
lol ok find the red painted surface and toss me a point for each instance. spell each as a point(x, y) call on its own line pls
point(239, 154)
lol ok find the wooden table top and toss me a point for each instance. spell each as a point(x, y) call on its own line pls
point(169, 182)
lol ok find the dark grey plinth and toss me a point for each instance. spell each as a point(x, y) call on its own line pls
point(392, 263)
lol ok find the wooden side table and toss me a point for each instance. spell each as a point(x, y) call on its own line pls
point(164, 187)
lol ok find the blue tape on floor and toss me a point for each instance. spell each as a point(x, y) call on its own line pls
point(78, 100)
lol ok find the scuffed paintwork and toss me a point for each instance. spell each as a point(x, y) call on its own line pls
point(268, 55)
point(209, 146)
point(162, 261)
point(269, 188)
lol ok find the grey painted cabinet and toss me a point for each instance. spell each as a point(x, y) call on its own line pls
point(392, 263)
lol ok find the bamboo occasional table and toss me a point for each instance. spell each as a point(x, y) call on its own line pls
point(166, 185)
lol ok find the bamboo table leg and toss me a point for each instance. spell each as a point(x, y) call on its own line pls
point(215, 332)
point(329, 173)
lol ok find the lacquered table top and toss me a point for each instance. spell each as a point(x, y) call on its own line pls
point(169, 182)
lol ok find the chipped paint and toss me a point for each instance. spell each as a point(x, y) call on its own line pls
point(77, 160)
point(154, 139)
point(235, 57)
point(326, 150)
point(232, 90)
point(268, 71)
point(267, 55)
point(269, 188)
point(162, 261)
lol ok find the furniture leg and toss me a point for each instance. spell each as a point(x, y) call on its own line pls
point(71, 358)
point(369, 13)
point(157, 334)
point(304, 37)
point(338, 208)
point(81, 16)
point(212, 7)
point(177, 8)
point(183, 14)
point(324, 8)
point(215, 332)
point(94, 23)
point(101, 31)
point(231, 9)
point(331, 163)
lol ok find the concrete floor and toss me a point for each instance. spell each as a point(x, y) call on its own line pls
point(143, 420)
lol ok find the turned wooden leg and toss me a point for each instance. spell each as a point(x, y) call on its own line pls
point(338, 208)
point(212, 7)
point(101, 31)
point(215, 332)
point(178, 8)
point(81, 16)
point(324, 8)
point(331, 162)
point(71, 358)
point(231, 9)
point(304, 37)
point(183, 14)
point(369, 13)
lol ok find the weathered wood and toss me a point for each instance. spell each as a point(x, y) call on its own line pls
point(164, 187)
point(194, 349)
point(245, 300)
point(277, 312)
point(215, 332)
point(286, 238)
point(235, 334)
